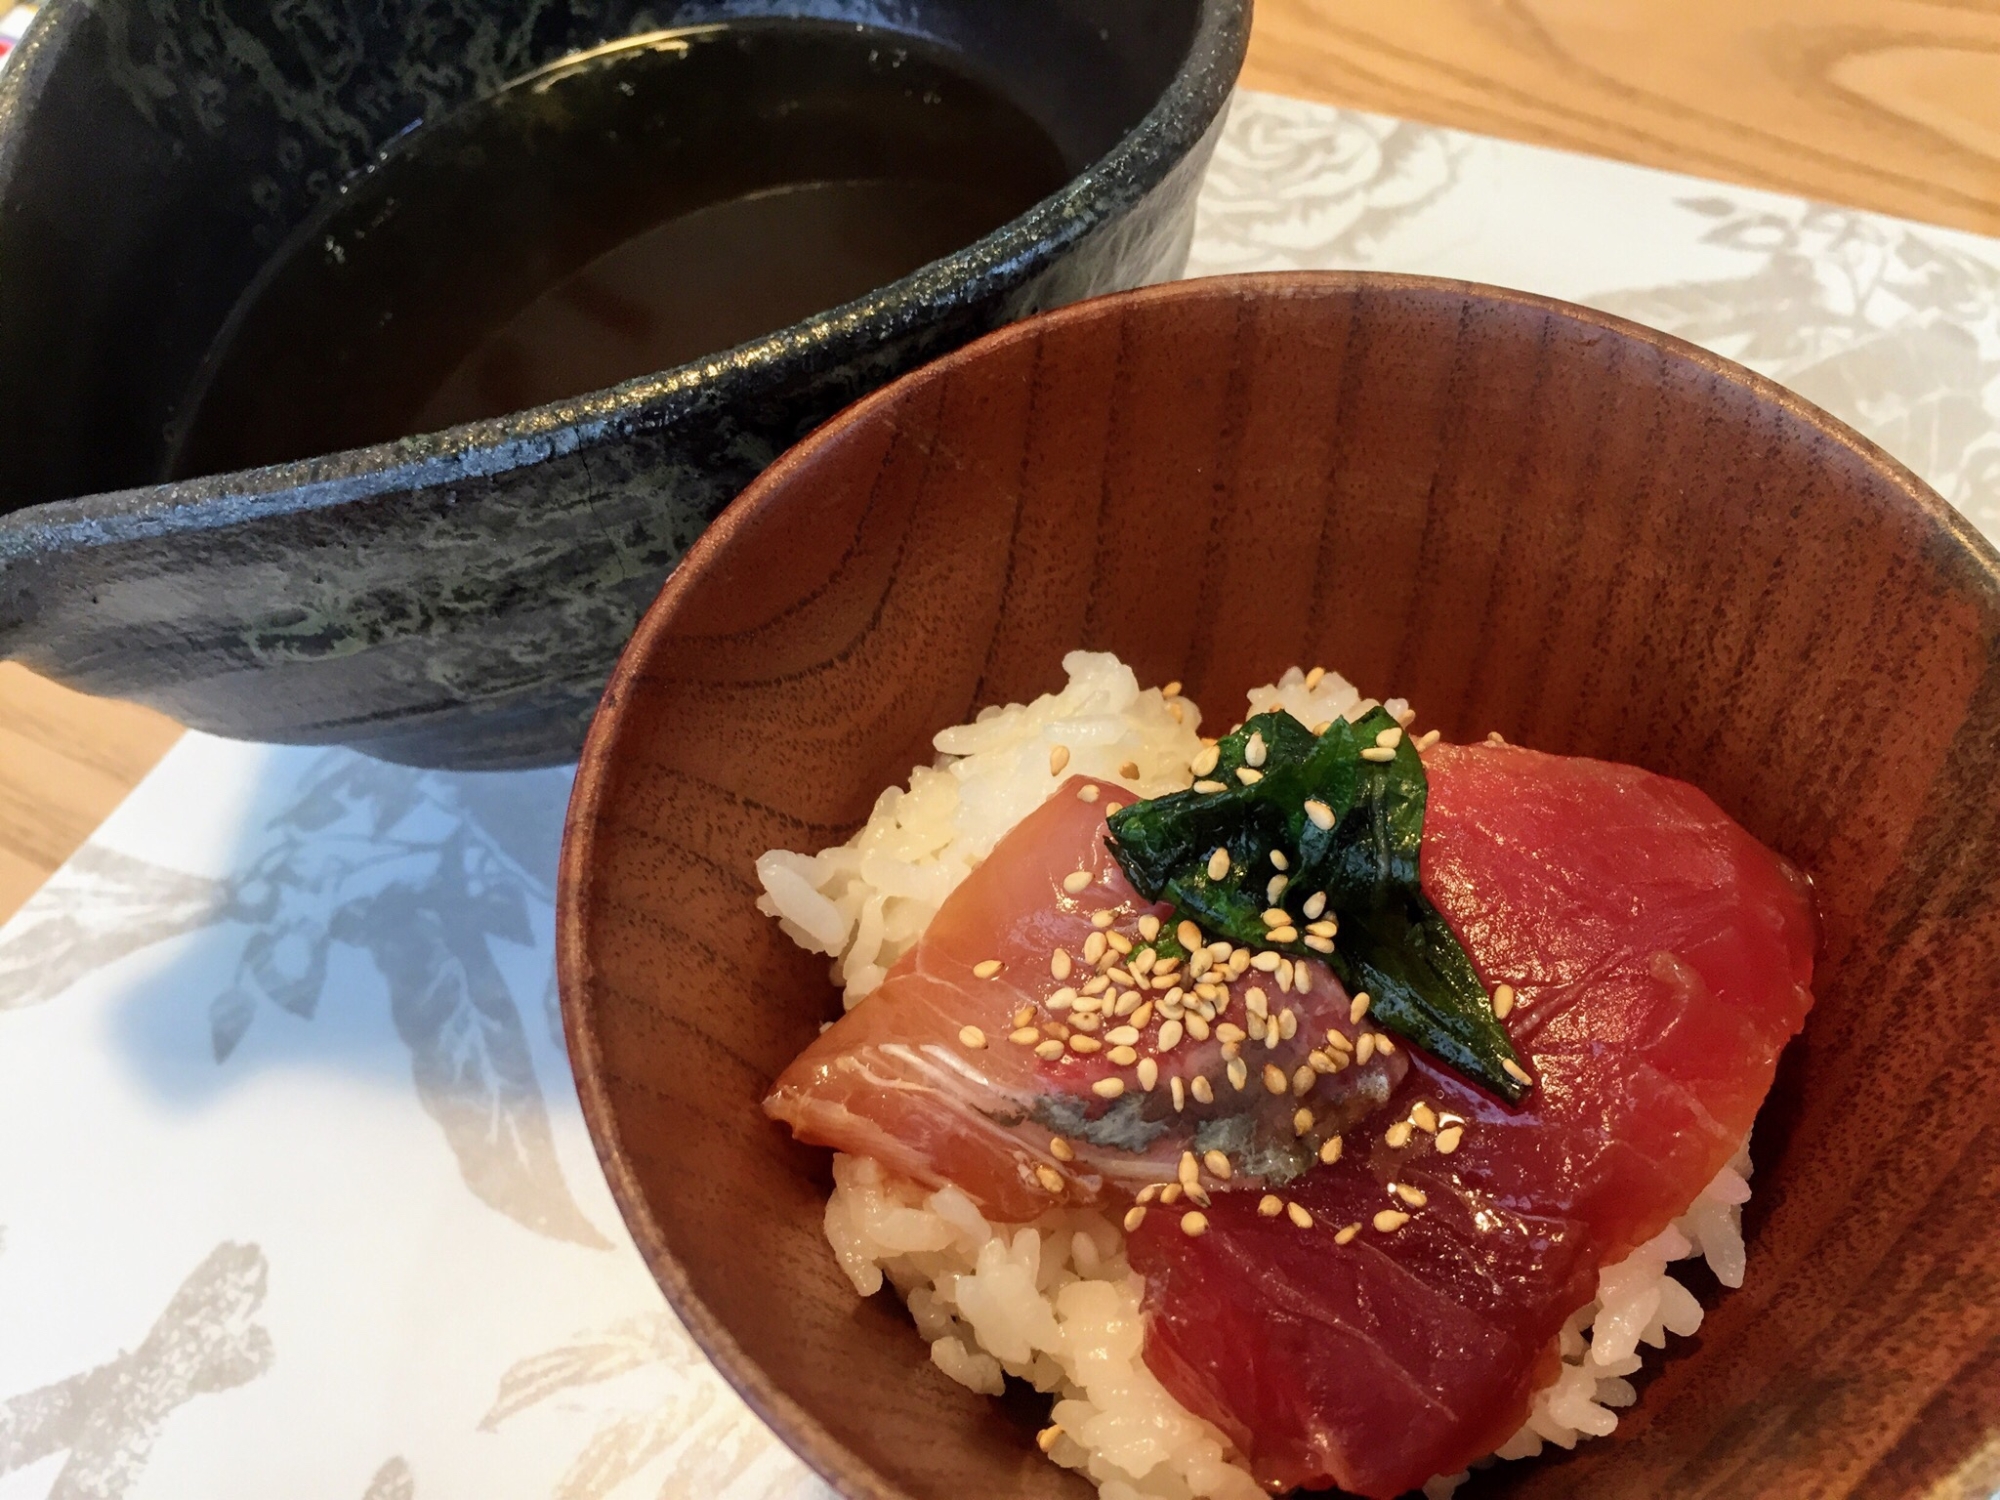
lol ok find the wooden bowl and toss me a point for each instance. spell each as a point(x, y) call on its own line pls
point(1523, 516)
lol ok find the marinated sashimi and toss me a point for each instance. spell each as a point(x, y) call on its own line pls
point(1053, 1037)
point(1391, 1318)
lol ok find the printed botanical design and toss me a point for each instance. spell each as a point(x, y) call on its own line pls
point(393, 1481)
point(1294, 186)
point(108, 1419)
point(664, 1424)
point(1890, 327)
point(423, 873)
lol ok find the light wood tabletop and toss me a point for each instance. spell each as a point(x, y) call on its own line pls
point(1882, 104)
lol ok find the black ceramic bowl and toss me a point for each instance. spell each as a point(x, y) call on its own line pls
point(455, 599)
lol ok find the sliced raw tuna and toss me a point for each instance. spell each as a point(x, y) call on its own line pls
point(1660, 957)
point(963, 1066)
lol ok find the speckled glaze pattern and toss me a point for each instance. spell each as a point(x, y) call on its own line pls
point(455, 599)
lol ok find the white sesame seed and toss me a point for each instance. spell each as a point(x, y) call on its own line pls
point(1108, 1088)
point(1275, 1080)
point(1203, 1091)
point(1448, 1139)
point(1274, 888)
point(1358, 1008)
point(1189, 936)
point(1299, 1214)
point(1049, 1177)
point(1346, 1236)
point(1323, 929)
point(1379, 754)
point(1188, 1169)
point(1302, 1120)
point(1171, 690)
point(972, 1036)
point(1503, 1001)
point(1389, 739)
point(1119, 941)
point(1412, 1196)
point(1248, 776)
point(1322, 727)
point(1103, 917)
point(1319, 944)
point(1288, 1023)
point(1084, 1044)
point(1143, 961)
point(1270, 1205)
point(1329, 1150)
point(1285, 934)
point(1205, 762)
point(1383, 1044)
point(1315, 904)
point(986, 968)
point(1179, 1091)
point(1217, 1164)
point(1024, 1036)
point(1209, 788)
point(1143, 1014)
point(1321, 815)
point(1093, 948)
point(1194, 1224)
point(1122, 1036)
point(1058, 758)
point(1397, 1136)
point(1077, 881)
point(1134, 1217)
point(1337, 1038)
point(1059, 964)
point(1266, 962)
point(1112, 809)
point(1170, 1036)
point(1390, 1220)
point(1087, 792)
point(1254, 751)
point(1049, 1436)
point(1084, 1022)
point(1424, 1118)
point(1515, 1071)
point(1239, 1074)
point(1255, 1002)
point(1129, 770)
point(1197, 1026)
point(1406, 716)
point(1303, 1079)
point(1171, 1193)
point(1279, 859)
point(1122, 1055)
point(1149, 1192)
point(1425, 741)
point(1050, 1050)
point(1148, 1073)
point(1061, 1149)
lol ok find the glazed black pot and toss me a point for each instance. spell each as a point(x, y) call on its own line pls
point(455, 599)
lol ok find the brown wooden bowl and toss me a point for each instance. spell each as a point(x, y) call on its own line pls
point(1524, 516)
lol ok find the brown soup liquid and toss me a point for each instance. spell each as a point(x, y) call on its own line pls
point(617, 214)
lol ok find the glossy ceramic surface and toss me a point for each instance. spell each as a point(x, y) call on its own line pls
point(458, 598)
point(1526, 517)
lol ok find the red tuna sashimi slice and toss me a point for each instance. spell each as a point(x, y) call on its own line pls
point(1661, 957)
point(900, 1079)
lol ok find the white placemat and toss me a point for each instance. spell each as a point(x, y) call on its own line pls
point(295, 1194)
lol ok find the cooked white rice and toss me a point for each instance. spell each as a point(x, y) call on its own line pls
point(1054, 1302)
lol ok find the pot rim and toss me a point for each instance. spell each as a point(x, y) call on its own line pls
point(1192, 101)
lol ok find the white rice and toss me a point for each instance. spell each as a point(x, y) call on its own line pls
point(1054, 1302)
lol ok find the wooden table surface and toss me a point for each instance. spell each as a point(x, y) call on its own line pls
point(1884, 104)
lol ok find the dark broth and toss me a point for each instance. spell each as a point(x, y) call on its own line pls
point(620, 213)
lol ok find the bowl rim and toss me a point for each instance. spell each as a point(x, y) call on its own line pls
point(1973, 561)
point(1192, 101)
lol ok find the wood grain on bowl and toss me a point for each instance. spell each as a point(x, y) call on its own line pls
point(1525, 517)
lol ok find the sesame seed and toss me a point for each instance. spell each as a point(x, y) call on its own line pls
point(1170, 1036)
point(986, 968)
point(1266, 962)
point(1285, 934)
point(1390, 1220)
point(1315, 904)
point(1134, 1217)
point(1058, 758)
point(1108, 1088)
point(1320, 813)
point(1346, 1236)
point(1301, 978)
point(1050, 1050)
point(1179, 1091)
point(1253, 750)
point(1059, 964)
point(972, 1037)
point(1448, 1139)
point(1024, 1036)
point(1406, 716)
point(1389, 739)
point(1129, 770)
point(1047, 1437)
point(1112, 809)
point(1288, 1023)
point(1329, 1150)
point(1049, 1178)
point(1087, 792)
point(1188, 1169)
point(1313, 678)
point(1270, 1205)
point(1197, 1026)
point(1299, 1214)
point(1217, 1164)
point(1424, 1118)
point(1149, 927)
point(1495, 737)
point(1119, 942)
point(1142, 962)
point(1412, 1196)
point(1209, 788)
point(1103, 917)
point(1171, 690)
point(1515, 1071)
point(1303, 1120)
point(1025, 1016)
point(1171, 1193)
point(1084, 1044)
point(1194, 1224)
point(1143, 1014)
point(1205, 762)
point(1149, 1192)
point(1275, 1080)
point(1318, 943)
point(1189, 936)
point(1229, 1031)
point(1248, 776)
point(1093, 948)
point(1335, 1037)
point(1086, 1022)
point(1319, 1062)
point(1382, 1043)
point(1365, 1048)
point(1379, 754)
point(1061, 1149)
point(1122, 1036)
point(1322, 727)
point(1255, 1003)
point(1203, 1091)
point(1303, 1079)
point(1503, 1001)
point(1239, 1074)
point(1076, 881)
point(1122, 1055)
point(1358, 1009)
point(1218, 864)
point(1148, 1073)
point(1397, 1136)
point(1274, 888)
point(1425, 741)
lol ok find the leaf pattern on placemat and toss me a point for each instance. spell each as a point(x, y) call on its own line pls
point(108, 1419)
point(1890, 327)
point(393, 1481)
